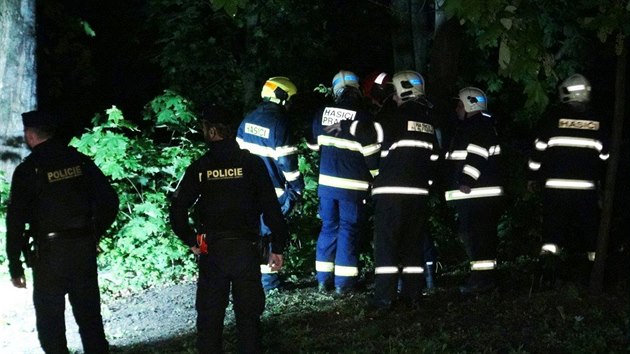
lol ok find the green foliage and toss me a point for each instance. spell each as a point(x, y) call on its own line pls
point(4, 197)
point(537, 43)
point(140, 250)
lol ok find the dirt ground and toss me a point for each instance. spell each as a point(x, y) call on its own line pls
point(151, 316)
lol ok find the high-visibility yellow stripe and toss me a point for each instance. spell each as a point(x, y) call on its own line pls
point(379, 132)
point(558, 183)
point(370, 149)
point(285, 150)
point(384, 153)
point(533, 165)
point(400, 190)
point(568, 141)
point(412, 143)
point(266, 269)
point(472, 172)
point(474, 193)
point(413, 270)
point(540, 145)
point(291, 176)
point(591, 256)
point(457, 155)
point(549, 248)
point(314, 147)
point(279, 192)
point(494, 150)
point(344, 183)
point(386, 270)
point(478, 150)
point(374, 173)
point(604, 157)
point(325, 140)
point(346, 271)
point(483, 265)
point(267, 151)
point(435, 157)
point(324, 266)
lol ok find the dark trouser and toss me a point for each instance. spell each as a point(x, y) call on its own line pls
point(68, 266)
point(235, 263)
point(271, 279)
point(571, 219)
point(399, 225)
point(477, 227)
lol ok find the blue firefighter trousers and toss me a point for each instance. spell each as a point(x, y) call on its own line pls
point(336, 256)
point(271, 280)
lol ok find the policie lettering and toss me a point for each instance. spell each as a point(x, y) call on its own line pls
point(64, 173)
point(224, 173)
point(334, 115)
point(565, 123)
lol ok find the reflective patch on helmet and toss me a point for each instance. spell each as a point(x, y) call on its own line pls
point(257, 130)
point(565, 123)
point(413, 126)
point(333, 115)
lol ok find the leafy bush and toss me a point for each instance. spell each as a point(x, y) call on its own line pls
point(140, 249)
point(4, 197)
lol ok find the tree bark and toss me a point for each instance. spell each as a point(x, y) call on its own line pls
point(597, 275)
point(17, 78)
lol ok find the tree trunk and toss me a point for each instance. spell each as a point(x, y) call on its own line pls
point(17, 78)
point(597, 275)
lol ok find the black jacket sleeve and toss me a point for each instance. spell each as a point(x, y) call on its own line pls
point(182, 200)
point(20, 205)
point(104, 199)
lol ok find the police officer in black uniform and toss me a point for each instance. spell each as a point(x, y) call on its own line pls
point(68, 204)
point(229, 188)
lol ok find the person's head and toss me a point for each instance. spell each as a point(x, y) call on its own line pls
point(216, 123)
point(278, 89)
point(39, 126)
point(377, 87)
point(470, 100)
point(343, 82)
point(575, 90)
point(408, 85)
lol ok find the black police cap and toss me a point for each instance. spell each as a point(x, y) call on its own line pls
point(38, 119)
point(215, 114)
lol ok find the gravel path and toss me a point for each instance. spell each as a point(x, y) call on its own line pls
point(151, 316)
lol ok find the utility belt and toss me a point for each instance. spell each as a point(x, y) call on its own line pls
point(205, 239)
point(33, 239)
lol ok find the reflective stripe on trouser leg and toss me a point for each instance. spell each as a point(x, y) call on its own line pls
point(398, 224)
point(327, 240)
point(346, 258)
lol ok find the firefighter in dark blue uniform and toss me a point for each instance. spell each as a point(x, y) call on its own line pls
point(229, 188)
point(401, 192)
point(568, 160)
point(68, 204)
point(266, 132)
point(348, 161)
point(475, 187)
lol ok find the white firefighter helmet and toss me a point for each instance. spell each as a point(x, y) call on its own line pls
point(342, 80)
point(408, 84)
point(575, 89)
point(473, 99)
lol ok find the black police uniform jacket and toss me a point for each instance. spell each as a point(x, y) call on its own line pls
point(408, 152)
point(569, 150)
point(229, 188)
point(473, 160)
point(57, 189)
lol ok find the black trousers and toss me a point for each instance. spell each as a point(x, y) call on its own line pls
point(229, 263)
point(477, 220)
point(399, 225)
point(68, 266)
point(571, 219)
